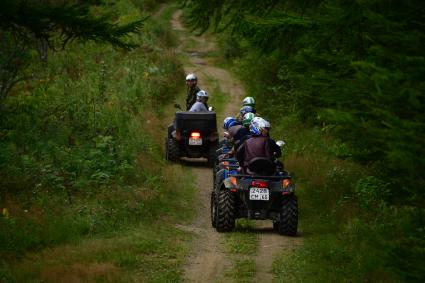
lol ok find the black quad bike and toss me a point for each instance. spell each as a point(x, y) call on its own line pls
point(193, 135)
point(265, 195)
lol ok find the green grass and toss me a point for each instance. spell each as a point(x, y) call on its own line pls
point(87, 192)
point(144, 253)
point(241, 247)
point(242, 270)
point(243, 240)
point(217, 98)
point(343, 239)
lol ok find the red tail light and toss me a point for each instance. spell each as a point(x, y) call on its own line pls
point(259, 184)
point(195, 135)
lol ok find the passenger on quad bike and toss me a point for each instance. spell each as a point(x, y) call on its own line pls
point(228, 123)
point(192, 90)
point(201, 102)
point(244, 133)
point(260, 146)
point(243, 111)
point(236, 132)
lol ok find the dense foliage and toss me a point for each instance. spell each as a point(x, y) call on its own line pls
point(355, 70)
point(29, 28)
point(76, 154)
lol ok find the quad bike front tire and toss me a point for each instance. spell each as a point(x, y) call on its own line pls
point(225, 214)
point(172, 150)
point(213, 210)
point(288, 223)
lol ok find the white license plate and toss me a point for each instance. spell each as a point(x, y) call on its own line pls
point(259, 194)
point(193, 141)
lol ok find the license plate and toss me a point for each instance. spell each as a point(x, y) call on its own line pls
point(193, 141)
point(259, 194)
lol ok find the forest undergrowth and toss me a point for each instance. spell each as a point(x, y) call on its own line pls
point(80, 165)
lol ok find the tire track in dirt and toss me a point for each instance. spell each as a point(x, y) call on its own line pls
point(208, 261)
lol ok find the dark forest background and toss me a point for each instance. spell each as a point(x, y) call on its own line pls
point(353, 71)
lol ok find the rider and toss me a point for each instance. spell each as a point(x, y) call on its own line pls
point(244, 110)
point(229, 122)
point(201, 102)
point(244, 135)
point(260, 146)
point(236, 131)
point(192, 90)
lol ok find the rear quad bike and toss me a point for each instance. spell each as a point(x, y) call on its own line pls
point(193, 135)
point(264, 195)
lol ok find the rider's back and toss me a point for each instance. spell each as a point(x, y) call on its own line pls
point(253, 148)
point(198, 107)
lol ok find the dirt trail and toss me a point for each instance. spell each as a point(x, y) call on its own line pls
point(208, 261)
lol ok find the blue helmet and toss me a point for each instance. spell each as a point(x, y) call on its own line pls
point(247, 109)
point(255, 131)
point(229, 122)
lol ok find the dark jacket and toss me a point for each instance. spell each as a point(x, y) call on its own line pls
point(255, 147)
point(237, 132)
point(191, 96)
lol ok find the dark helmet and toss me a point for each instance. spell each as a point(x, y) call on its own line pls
point(247, 109)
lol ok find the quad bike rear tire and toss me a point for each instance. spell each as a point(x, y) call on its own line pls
point(172, 150)
point(225, 214)
point(288, 223)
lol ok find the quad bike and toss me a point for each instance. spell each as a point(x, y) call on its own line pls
point(193, 135)
point(269, 194)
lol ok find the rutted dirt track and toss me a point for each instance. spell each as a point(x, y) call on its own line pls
point(208, 260)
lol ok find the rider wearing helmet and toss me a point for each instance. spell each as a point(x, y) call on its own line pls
point(259, 146)
point(201, 102)
point(244, 110)
point(248, 101)
point(247, 118)
point(192, 90)
point(229, 122)
point(237, 131)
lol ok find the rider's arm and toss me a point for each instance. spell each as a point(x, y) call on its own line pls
point(240, 154)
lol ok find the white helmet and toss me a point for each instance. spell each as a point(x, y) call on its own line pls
point(202, 93)
point(257, 125)
point(249, 101)
point(191, 77)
